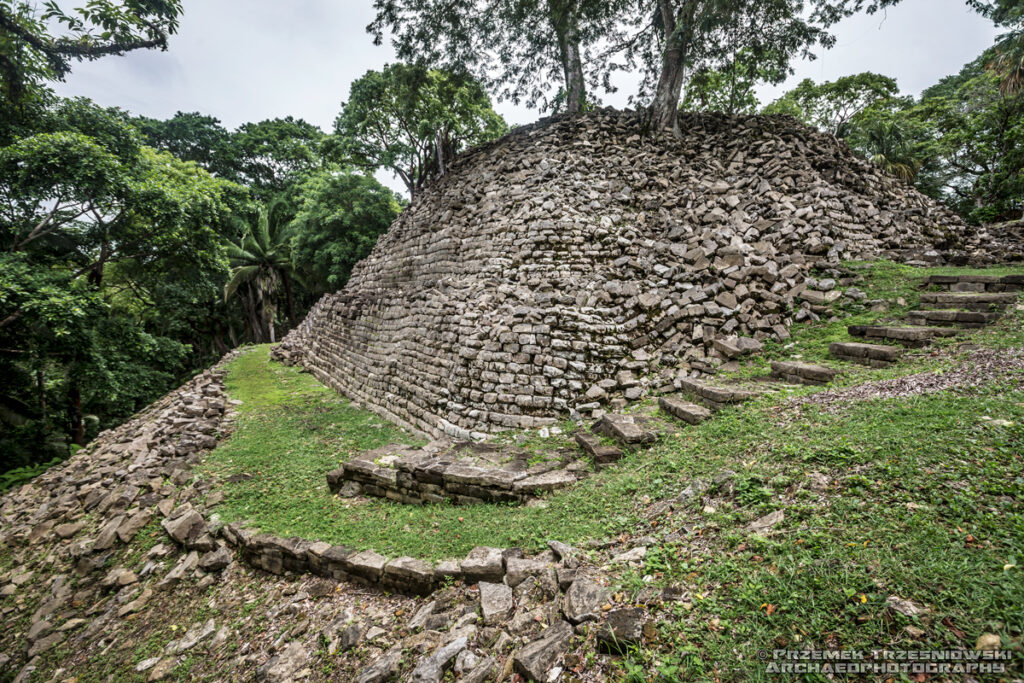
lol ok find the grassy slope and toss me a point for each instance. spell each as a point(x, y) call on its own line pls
point(925, 503)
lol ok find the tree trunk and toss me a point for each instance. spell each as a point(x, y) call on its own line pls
point(41, 389)
point(77, 424)
point(562, 15)
point(254, 320)
point(664, 110)
point(95, 277)
point(288, 298)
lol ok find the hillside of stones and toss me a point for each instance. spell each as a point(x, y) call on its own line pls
point(570, 250)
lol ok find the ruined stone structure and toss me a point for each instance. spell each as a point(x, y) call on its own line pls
point(519, 286)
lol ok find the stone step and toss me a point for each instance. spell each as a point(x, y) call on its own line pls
point(946, 317)
point(628, 430)
point(803, 373)
point(602, 454)
point(978, 283)
point(716, 397)
point(684, 410)
point(874, 355)
point(465, 473)
point(912, 337)
point(968, 301)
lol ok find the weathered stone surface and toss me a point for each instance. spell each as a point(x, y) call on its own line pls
point(977, 283)
point(968, 301)
point(284, 666)
point(534, 660)
point(913, 337)
point(518, 569)
point(186, 528)
point(126, 532)
point(483, 564)
point(549, 481)
point(192, 637)
point(367, 565)
point(410, 575)
point(766, 522)
point(461, 473)
point(602, 454)
point(969, 319)
point(483, 671)
point(382, 669)
point(622, 630)
point(716, 397)
point(584, 600)
point(108, 534)
point(68, 530)
point(684, 410)
point(215, 560)
point(431, 669)
point(629, 430)
point(496, 603)
point(874, 355)
point(803, 373)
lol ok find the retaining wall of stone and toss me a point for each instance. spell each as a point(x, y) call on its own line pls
point(518, 285)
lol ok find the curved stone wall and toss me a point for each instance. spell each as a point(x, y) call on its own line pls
point(574, 249)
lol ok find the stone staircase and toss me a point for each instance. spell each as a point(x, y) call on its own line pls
point(966, 302)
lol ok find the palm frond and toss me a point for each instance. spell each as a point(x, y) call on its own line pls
point(239, 276)
point(261, 233)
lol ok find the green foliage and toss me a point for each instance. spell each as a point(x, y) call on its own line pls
point(269, 157)
point(341, 215)
point(1008, 54)
point(38, 44)
point(17, 476)
point(833, 105)
point(962, 142)
point(977, 134)
point(109, 250)
point(193, 137)
point(518, 48)
point(413, 121)
point(729, 90)
point(889, 140)
point(272, 155)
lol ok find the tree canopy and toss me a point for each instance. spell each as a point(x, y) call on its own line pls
point(833, 105)
point(413, 121)
point(341, 216)
point(38, 45)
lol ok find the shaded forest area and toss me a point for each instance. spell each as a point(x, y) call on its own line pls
point(135, 251)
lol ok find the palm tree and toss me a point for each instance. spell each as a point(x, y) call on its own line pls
point(1009, 63)
point(260, 264)
point(888, 146)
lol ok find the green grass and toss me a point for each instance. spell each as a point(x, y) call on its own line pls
point(291, 431)
point(927, 504)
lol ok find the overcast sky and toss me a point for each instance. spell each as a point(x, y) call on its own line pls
point(249, 60)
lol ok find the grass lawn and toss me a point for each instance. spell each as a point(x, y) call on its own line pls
point(925, 502)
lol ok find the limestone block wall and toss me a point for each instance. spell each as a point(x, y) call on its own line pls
point(573, 249)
